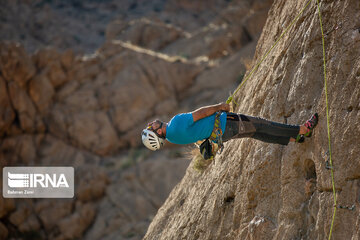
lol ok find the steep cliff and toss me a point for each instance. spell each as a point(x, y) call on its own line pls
point(255, 190)
point(59, 107)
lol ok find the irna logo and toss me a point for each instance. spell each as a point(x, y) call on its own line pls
point(18, 180)
point(38, 182)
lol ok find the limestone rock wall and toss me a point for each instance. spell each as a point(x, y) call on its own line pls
point(255, 190)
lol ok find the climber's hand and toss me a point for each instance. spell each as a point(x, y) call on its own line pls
point(225, 107)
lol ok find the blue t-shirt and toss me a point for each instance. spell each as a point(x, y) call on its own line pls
point(183, 130)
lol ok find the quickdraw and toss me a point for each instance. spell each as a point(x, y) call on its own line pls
point(351, 208)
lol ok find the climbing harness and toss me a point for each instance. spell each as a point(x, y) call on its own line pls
point(216, 135)
point(208, 148)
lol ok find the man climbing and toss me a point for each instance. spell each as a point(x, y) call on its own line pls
point(216, 123)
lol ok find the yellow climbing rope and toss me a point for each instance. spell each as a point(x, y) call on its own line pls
point(230, 99)
point(327, 120)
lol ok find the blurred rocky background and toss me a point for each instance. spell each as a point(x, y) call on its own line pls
point(80, 79)
point(255, 190)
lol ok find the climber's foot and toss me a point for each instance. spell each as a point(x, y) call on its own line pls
point(300, 138)
point(311, 124)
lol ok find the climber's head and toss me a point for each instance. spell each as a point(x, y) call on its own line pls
point(153, 137)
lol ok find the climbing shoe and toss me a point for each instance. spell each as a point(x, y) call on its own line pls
point(300, 138)
point(311, 124)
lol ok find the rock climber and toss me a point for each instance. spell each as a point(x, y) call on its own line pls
point(216, 123)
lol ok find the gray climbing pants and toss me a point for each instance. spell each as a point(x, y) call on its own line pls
point(240, 126)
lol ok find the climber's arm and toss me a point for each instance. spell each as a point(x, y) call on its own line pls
point(206, 111)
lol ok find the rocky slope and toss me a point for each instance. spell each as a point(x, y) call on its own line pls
point(255, 190)
point(59, 107)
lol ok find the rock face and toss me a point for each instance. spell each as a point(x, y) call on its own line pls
point(255, 190)
point(62, 108)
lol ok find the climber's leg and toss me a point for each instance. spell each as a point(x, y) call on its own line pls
point(239, 126)
point(274, 128)
point(271, 138)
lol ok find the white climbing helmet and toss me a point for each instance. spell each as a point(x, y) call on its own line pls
point(151, 140)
